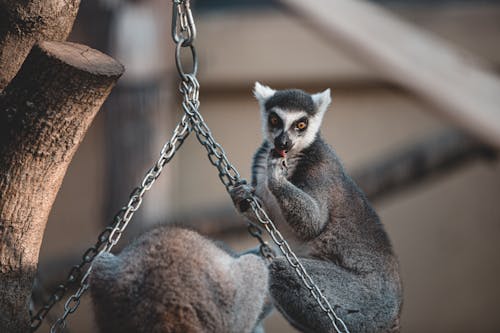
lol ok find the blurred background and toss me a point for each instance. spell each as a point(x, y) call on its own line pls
point(434, 180)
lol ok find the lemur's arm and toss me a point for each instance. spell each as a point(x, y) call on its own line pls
point(303, 210)
point(242, 192)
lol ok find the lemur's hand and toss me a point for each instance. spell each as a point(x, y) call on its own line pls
point(276, 167)
point(241, 194)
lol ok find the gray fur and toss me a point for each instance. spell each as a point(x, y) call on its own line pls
point(332, 226)
point(175, 280)
point(292, 99)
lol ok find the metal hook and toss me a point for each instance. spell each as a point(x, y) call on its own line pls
point(175, 14)
point(185, 32)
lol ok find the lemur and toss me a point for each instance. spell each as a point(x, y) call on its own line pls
point(333, 228)
point(173, 280)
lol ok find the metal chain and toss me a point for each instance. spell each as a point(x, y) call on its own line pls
point(228, 174)
point(294, 262)
point(111, 235)
point(183, 34)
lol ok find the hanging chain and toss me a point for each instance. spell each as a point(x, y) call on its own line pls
point(184, 35)
point(110, 236)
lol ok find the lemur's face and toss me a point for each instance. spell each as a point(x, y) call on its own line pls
point(290, 118)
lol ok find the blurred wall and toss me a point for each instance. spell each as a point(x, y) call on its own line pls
point(445, 230)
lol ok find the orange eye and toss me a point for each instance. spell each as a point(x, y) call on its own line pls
point(274, 121)
point(301, 125)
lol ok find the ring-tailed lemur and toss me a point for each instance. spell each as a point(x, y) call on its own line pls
point(175, 280)
point(307, 193)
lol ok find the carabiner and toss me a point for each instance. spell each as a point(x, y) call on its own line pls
point(185, 31)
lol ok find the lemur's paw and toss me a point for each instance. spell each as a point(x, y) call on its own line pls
point(276, 166)
point(241, 195)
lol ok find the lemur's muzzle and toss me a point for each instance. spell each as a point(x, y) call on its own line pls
point(282, 144)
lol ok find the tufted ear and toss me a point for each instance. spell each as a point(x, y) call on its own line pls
point(262, 92)
point(105, 271)
point(107, 291)
point(322, 100)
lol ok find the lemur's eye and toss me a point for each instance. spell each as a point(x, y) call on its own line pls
point(301, 125)
point(273, 120)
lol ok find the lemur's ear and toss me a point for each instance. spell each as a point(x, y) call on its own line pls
point(105, 272)
point(322, 100)
point(262, 92)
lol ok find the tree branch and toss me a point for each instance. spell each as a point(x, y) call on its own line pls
point(418, 162)
point(44, 113)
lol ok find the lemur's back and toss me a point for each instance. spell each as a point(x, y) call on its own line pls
point(173, 280)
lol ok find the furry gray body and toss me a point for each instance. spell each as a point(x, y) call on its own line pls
point(340, 240)
point(332, 227)
point(175, 280)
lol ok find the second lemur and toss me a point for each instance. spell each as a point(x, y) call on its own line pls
point(332, 227)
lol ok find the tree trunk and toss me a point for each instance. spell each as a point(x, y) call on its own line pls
point(22, 23)
point(44, 113)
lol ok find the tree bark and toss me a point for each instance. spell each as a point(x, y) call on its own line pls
point(44, 113)
point(23, 23)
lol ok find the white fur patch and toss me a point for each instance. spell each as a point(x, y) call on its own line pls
point(311, 131)
point(262, 93)
point(322, 100)
point(289, 117)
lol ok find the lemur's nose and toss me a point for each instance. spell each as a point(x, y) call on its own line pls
point(282, 142)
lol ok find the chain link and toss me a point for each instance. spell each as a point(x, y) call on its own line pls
point(183, 34)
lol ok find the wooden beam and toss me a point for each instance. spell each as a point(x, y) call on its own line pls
point(463, 90)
